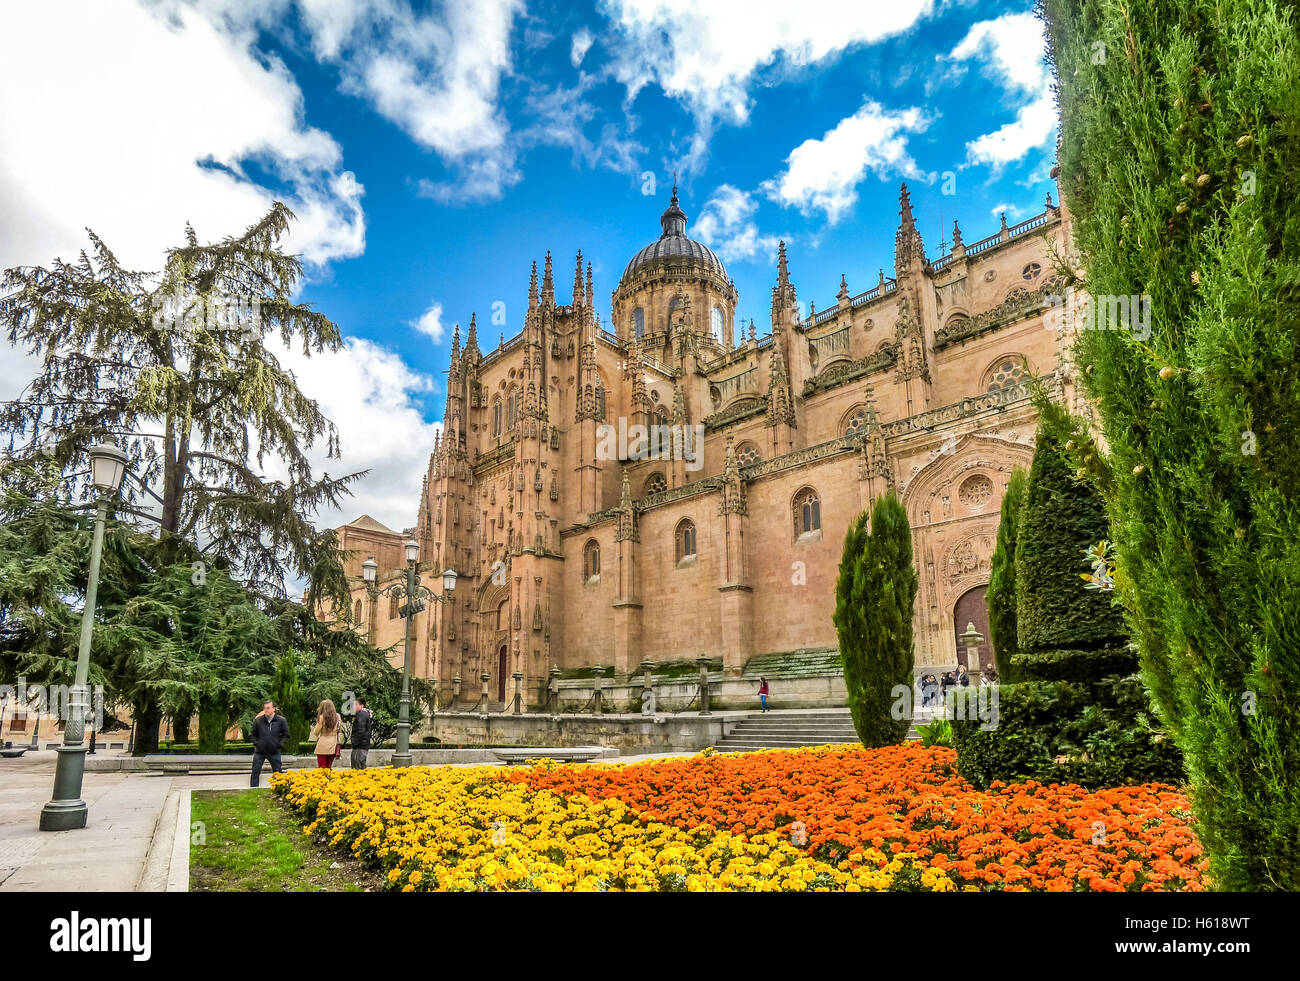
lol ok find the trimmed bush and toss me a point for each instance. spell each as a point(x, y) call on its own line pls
point(1097, 735)
point(1081, 667)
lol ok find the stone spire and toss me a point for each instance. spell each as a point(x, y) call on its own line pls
point(780, 401)
point(548, 283)
point(579, 295)
point(785, 303)
point(843, 294)
point(956, 237)
point(471, 341)
point(907, 241)
point(532, 288)
point(591, 294)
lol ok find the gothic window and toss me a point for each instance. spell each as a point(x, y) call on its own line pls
point(807, 512)
point(747, 455)
point(392, 607)
point(503, 615)
point(655, 483)
point(853, 422)
point(512, 408)
point(638, 322)
point(357, 617)
point(1031, 272)
point(715, 324)
point(1007, 373)
point(685, 540)
point(591, 562)
point(496, 416)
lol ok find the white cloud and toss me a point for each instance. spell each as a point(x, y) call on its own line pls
point(581, 44)
point(141, 119)
point(726, 223)
point(562, 115)
point(823, 174)
point(1011, 49)
point(707, 54)
point(370, 394)
point(430, 323)
point(435, 76)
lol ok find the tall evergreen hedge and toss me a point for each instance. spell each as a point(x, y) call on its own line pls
point(1059, 518)
point(1001, 593)
point(874, 598)
point(1180, 163)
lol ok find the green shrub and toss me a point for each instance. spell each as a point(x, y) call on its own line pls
point(937, 733)
point(1082, 667)
point(1096, 735)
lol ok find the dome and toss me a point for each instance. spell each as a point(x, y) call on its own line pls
point(674, 244)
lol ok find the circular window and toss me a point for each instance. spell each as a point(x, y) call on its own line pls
point(1007, 374)
point(1031, 272)
point(975, 491)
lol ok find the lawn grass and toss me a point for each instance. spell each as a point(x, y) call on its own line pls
point(252, 844)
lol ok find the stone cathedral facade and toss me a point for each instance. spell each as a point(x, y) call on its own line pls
point(569, 559)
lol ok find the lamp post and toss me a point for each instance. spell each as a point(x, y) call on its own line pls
point(66, 811)
point(415, 595)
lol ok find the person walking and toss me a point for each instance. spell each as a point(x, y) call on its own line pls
point(360, 734)
point(963, 678)
point(328, 731)
point(269, 733)
point(763, 692)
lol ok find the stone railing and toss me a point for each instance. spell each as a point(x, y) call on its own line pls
point(1008, 311)
point(966, 407)
point(846, 371)
point(832, 447)
point(743, 409)
point(485, 461)
point(500, 351)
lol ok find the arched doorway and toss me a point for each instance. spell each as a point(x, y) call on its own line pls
point(502, 664)
point(973, 608)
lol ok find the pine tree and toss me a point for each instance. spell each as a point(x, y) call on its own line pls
point(874, 598)
point(1001, 593)
point(1180, 160)
point(174, 368)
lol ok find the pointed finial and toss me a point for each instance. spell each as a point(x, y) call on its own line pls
point(1004, 221)
point(1050, 206)
point(844, 287)
point(532, 287)
point(591, 293)
point(904, 205)
point(548, 282)
point(578, 294)
point(753, 332)
point(782, 268)
point(956, 236)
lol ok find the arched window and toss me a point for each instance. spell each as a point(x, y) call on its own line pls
point(357, 617)
point(393, 607)
point(496, 416)
point(638, 322)
point(512, 408)
point(591, 562)
point(1008, 372)
point(655, 483)
point(747, 455)
point(853, 421)
point(807, 512)
point(715, 324)
point(685, 540)
point(503, 615)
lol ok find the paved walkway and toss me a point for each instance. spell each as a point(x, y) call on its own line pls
point(130, 835)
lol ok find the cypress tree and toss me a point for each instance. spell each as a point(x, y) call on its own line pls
point(1180, 160)
point(874, 596)
point(288, 699)
point(1059, 517)
point(1001, 594)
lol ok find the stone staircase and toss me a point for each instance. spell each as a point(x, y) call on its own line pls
point(791, 729)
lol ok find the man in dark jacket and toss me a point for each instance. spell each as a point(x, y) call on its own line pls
point(360, 734)
point(269, 733)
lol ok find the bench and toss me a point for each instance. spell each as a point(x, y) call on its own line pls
point(566, 754)
point(13, 752)
point(213, 764)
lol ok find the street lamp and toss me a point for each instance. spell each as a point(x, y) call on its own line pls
point(67, 811)
point(415, 595)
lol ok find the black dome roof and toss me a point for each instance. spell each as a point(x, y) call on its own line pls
point(673, 243)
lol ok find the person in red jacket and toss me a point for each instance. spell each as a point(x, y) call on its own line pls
point(762, 692)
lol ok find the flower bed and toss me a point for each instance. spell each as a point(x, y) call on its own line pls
point(829, 818)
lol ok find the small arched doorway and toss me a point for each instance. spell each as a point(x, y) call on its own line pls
point(972, 607)
point(502, 664)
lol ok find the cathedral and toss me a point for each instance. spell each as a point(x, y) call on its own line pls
point(571, 557)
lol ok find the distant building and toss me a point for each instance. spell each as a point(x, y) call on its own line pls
point(570, 558)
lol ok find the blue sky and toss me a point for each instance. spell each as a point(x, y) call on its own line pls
point(433, 150)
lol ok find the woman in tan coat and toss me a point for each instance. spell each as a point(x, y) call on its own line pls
point(328, 731)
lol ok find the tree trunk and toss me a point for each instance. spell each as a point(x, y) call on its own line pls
point(148, 716)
